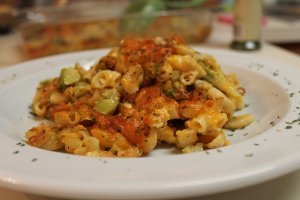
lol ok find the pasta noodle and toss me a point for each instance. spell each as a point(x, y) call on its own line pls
point(105, 78)
point(132, 79)
point(185, 63)
point(239, 122)
point(143, 93)
point(188, 78)
point(186, 137)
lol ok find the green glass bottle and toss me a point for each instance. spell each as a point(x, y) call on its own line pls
point(247, 25)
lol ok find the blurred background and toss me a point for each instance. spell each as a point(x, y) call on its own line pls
point(47, 27)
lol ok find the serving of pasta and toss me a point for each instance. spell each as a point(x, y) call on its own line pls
point(143, 93)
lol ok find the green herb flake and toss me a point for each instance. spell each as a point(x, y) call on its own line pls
point(249, 155)
point(288, 127)
point(292, 94)
point(219, 150)
point(245, 134)
point(30, 108)
point(34, 160)
point(20, 144)
point(170, 93)
point(294, 121)
point(15, 152)
point(32, 113)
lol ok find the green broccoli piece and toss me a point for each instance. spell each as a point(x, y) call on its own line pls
point(218, 79)
point(69, 76)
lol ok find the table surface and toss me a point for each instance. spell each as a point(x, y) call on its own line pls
point(285, 187)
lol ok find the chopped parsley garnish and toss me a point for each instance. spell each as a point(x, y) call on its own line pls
point(20, 144)
point(15, 152)
point(288, 127)
point(294, 121)
point(249, 155)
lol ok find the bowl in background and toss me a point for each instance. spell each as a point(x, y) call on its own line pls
point(53, 30)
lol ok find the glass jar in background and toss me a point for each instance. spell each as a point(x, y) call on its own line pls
point(247, 25)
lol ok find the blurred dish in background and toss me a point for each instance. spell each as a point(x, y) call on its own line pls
point(97, 24)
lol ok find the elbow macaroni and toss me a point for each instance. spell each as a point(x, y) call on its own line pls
point(106, 79)
point(185, 63)
point(132, 79)
point(141, 94)
point(239, 122)
point(188, 78)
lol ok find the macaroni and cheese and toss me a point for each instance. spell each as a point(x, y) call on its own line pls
point(142, 93)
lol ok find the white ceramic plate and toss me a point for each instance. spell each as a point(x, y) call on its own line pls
point(265, 150)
